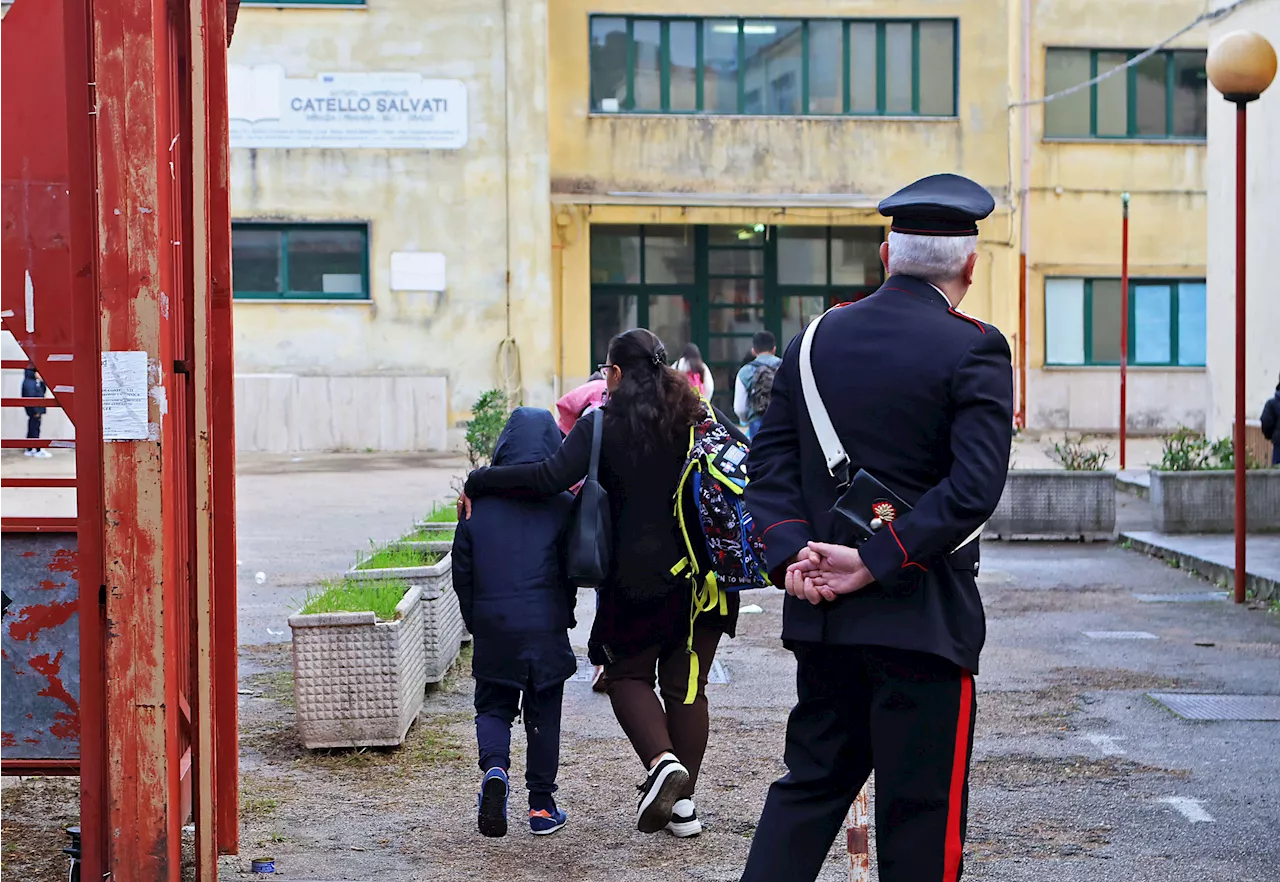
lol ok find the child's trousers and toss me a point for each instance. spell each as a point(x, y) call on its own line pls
point(497, 706)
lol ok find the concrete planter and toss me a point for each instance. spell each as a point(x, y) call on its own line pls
point(435, 577)
point(445, 527)
point(1204, 502)
point(432, 547)
point(443, 630)
point(1056, 504)
point(358, 682)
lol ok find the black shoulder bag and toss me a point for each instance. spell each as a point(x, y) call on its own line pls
point(591, 526)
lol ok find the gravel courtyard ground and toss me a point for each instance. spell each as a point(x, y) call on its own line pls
point(1078, 774)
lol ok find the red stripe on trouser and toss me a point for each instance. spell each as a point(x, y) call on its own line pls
point(959, 770)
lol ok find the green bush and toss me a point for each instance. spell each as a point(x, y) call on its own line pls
point(1190, 451)
point(1074, 455)
point(487, 419)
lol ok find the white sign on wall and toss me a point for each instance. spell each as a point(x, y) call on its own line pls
point(417, 271)
point(345, 110)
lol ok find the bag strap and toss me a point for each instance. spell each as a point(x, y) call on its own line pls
point(832, 450)
point(597, 432)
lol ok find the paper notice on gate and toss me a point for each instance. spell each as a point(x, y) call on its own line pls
point(124, 396)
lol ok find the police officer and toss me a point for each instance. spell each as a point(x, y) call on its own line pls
point(886, 635)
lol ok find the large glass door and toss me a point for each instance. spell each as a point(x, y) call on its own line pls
point(718, 285)
point(736, 305)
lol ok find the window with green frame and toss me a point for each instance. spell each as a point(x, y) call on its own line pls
point(299, 261)
point(1166, 322)
point(1163, 96)
point(774, 66)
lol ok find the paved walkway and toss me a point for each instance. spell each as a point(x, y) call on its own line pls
point(1214, 556)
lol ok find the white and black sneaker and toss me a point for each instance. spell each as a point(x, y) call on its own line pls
point(659, 794)
point(684, 820)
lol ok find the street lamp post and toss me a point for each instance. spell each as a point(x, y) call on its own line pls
point(1124, 332)
point(1241, 66)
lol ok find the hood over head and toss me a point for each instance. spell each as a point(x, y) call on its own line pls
point(531, 435)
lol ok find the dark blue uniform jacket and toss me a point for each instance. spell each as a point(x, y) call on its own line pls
point(922, 398)
point(508, 570)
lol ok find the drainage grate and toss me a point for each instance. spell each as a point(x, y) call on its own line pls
point(1120, 635)
point(1204, 597)
point(1221, 707)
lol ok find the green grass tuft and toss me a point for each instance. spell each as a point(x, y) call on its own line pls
point(426, 534)
point(379, 596)
point(442, 513)
point(386, 558)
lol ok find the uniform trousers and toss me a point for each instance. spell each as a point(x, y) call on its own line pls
point(907, 715)
point(497, 706)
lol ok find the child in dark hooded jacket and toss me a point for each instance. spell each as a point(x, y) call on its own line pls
point(508, 571)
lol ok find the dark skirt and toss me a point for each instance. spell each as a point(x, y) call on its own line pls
point(624, 624)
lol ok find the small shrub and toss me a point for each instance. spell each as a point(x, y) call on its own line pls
point(487, 419)
point(1189, 451)
point(348, 595)
point(1074, 455)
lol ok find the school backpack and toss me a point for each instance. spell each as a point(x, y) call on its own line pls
point(761, 388)
point(720, 545)
point(722, 551)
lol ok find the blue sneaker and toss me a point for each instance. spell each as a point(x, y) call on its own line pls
point(492, 818)
point(544, 822)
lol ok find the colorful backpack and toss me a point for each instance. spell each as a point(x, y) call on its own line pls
point(720, 545)
point(722, 551)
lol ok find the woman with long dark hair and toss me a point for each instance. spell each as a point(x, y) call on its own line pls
point(641, 632)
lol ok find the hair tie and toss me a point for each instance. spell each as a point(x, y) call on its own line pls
point(659, 357)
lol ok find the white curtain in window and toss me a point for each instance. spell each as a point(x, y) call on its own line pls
point(1064, 321)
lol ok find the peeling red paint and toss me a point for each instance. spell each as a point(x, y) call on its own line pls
point(7, 739)
point(50, 585)
point(40, 618)
point(28, 554)
point(35, 741)
point(68, 725)
point(65, 560)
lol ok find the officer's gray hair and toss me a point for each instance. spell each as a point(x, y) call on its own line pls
point(935, 259)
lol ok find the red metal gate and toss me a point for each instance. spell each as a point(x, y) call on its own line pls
point(116, 252)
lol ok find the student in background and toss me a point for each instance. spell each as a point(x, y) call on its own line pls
point(577, 402)
point(754, 385)
point(34, 387)
point(692, 366)
point(1271, 422)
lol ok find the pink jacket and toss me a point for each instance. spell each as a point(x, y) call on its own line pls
point(578, 401)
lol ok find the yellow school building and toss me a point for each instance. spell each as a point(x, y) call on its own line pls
point(437, 198)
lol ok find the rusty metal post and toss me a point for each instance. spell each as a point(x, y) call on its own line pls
point(219, 373)
point(136, 279)
point(858, 835)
